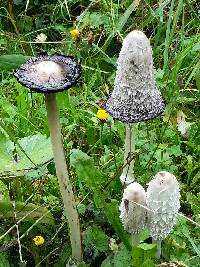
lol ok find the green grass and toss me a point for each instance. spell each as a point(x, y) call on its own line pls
point(173, 28)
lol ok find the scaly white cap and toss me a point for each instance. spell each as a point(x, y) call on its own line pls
point(133, 216)
point(135, 96)
point(163, 198)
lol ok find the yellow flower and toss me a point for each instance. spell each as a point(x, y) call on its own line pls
point(75, 33)
point(38, 240)
point(102, 115)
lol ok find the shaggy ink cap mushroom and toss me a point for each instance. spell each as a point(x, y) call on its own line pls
point(49, 73)
point(163, 198)
point(133, 215)
point(135, 96)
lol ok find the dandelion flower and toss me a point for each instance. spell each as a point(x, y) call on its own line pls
point(75, 33)
point(102, 115)
point(38, 240)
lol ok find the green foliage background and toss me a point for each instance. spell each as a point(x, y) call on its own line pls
point(94, 152)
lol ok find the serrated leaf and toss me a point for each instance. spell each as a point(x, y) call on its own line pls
point(121, 258)
point(95, 238)
point(94, 179)
point(86, 170)
point(10, 62)
point(174, 150)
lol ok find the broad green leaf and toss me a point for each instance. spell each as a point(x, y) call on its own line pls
point(148, 263)
point(96, 239)
point(121, 258)
point(143, 252)
point(174, 151)
point(10, 62)
point(94, 179)
point(15, 162)
point(31, 210)
point(3, 260)
point(86, 170)
point(76, 156)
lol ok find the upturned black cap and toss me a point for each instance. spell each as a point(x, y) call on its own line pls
point(49, 73)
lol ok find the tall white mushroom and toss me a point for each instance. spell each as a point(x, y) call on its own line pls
point(49, 74)
point(163, 199)
point(133, 212)
point(135, 96)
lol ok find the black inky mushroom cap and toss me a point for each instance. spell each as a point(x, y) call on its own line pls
point(135, 96)
point(49, 73)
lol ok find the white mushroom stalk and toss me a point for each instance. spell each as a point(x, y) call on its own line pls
point(63, 176)
point(127, 175)
point(135, 97)
point(133, 212)
point(163, 199)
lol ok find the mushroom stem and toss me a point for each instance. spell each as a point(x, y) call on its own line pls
point(127, 174)
point(63, 177)
point(135, 240)
point(158, 245)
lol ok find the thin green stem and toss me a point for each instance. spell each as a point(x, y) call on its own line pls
point(111, 146)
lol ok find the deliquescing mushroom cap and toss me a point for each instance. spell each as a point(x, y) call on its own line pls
point(133, 216)
point(135, 96)
point(49, 73)
point(163, 199)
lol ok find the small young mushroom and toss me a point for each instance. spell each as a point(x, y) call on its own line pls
point(50, 74)
point(183, 125)
point(133, 212)
point(135, 97)
point(163, 199)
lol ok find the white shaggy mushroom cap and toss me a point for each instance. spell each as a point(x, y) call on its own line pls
point(133, 216)
point(163, 199)
point(47, 71)
point(135, 96)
